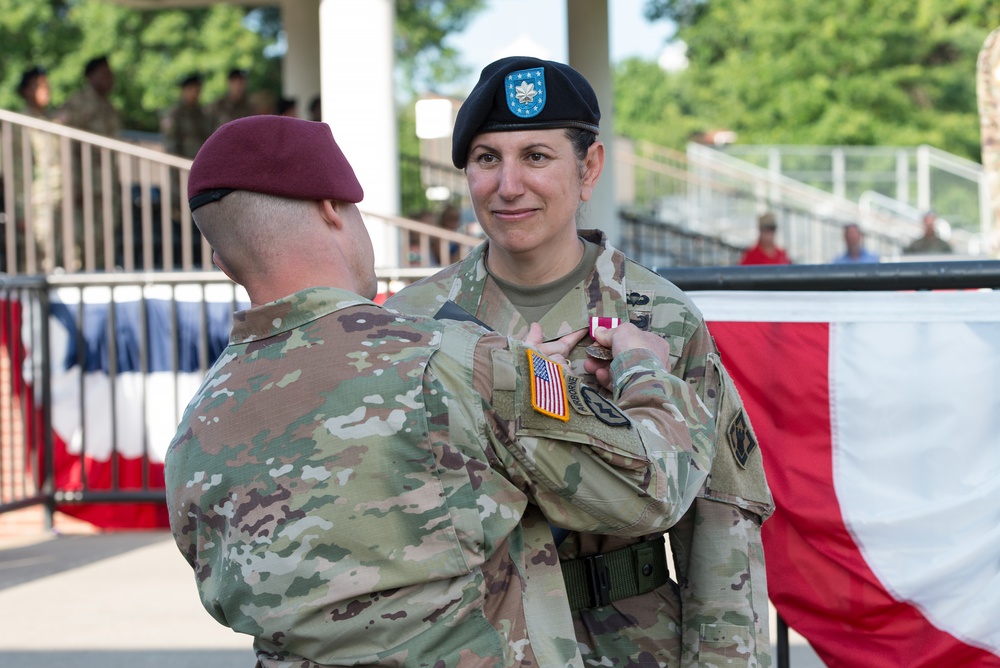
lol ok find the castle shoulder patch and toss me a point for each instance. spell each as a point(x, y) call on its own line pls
point(741, 439)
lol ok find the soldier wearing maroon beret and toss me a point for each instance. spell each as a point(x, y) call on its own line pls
point(355, 486)
point(527, 138)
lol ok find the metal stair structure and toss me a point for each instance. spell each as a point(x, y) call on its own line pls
point(717, 194)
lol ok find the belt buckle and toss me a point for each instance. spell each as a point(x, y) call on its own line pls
point(598, 581)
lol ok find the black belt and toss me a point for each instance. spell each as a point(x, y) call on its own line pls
point(597, 580)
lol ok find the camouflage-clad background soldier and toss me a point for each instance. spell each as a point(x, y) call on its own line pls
point(40, 215)
point(90, 109)
point(186, 125)
point(234, 103)
point(353, 486)
point(526, 138)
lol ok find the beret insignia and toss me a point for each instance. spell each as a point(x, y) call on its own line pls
point(526, 92)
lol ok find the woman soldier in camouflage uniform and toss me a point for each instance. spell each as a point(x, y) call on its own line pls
point(526, 137)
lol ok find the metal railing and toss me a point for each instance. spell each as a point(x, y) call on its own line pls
point(47, 328)
point(921, 177)
point(72, 201)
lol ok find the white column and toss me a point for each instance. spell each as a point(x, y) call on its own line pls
point(300, 66)
point(590, 54)
point(357, 77)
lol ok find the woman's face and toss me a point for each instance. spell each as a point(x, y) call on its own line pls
point(526, 187)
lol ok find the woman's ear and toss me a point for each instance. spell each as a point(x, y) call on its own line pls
point(593, 164)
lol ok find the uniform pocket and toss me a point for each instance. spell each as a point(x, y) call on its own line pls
point(725, 645)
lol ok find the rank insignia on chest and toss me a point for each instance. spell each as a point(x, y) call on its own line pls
point(548, 387)
point(741, 439)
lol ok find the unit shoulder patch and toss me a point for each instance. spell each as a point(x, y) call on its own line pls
point(603, 410)
point(741, 439)
point(573, 385)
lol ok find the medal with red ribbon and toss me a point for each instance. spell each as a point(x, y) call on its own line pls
point(597, 350)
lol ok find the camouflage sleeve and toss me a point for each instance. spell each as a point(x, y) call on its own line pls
point(717, 545)
point(629, 468)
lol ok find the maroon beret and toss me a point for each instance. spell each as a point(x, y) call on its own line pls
point(272, 155)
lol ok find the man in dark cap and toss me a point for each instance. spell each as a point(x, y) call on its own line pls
point(234, 103)
point(527, 140)
point(46, 176)
point(186, 126)
point(89, 108)
point(353, 486)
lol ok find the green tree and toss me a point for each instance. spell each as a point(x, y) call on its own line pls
point(896, 72)
point(151, 50)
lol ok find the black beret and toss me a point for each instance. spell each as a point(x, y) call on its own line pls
point(523, 93)
point(29, 76)
point(273, 155)
point(190, 79)
point(94, 63)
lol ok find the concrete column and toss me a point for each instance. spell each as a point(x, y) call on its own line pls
point(590, 54)
point(356, 58)
point(300, 66)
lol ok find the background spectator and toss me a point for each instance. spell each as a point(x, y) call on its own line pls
point(234, 104)
point(854, 245)
point(186, 126)
point(930, 242)
point(766, 251)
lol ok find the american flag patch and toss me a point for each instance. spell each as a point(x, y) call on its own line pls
point(607, 323)
point(548, 388)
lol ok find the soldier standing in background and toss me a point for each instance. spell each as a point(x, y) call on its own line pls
point(234, 103)
point(186, 126)
point(46, 177)
point(90, 109)
point(354, 486)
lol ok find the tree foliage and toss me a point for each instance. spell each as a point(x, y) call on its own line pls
point(896, 72)
point(150, 51)
point(422, 56)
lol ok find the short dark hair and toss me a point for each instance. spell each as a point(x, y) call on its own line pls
point(28, 77)
point(237, 73)
point(95, 63)
point(581, 141)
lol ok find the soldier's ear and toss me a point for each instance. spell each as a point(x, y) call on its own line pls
point(593, 164)
point(331, 213)
point(222, 265)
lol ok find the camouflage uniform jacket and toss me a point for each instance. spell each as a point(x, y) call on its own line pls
point(185, 129)
point(89, 111)
point(720, 599)
point(224, 110)
point(354, 487)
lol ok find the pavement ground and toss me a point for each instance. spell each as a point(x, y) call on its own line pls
point(77, 598)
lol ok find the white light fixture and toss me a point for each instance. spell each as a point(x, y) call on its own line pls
point(438, 193)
